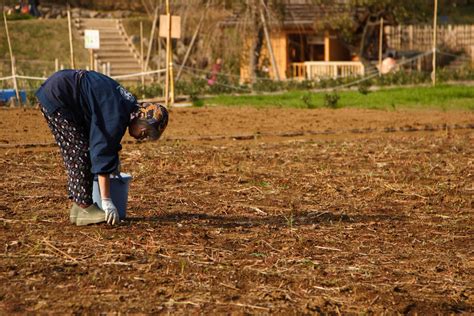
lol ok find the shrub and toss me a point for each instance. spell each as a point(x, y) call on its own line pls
point(223, 85)
point(19, 16)
point(269, 86)
point(196, 101)
point(331, 100)
point(364, 87)
point(308, 101)
point(146, 91)
point(193, 87)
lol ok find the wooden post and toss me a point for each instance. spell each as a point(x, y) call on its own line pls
point(91, 59)
point(96, 64)
point(141, 52)
point(269, 43)
point(435, 29)
point(326, 46)
point(12, 59)
point(71, 47)
point(380, 46)
point(152, 36)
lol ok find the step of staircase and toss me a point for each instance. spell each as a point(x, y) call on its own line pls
point(116, 47)
point(110, 38)
point(112, 54)
point(97, 22)
point(117, 60)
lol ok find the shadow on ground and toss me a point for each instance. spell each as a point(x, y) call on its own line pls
point(300, 219)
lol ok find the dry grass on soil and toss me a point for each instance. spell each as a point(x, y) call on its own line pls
point(355, 213)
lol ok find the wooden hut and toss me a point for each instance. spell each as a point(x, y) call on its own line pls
point(304, 47)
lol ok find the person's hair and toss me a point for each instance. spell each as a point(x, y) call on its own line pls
point(154, 121)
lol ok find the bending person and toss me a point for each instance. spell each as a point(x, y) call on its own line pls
point(88, 114)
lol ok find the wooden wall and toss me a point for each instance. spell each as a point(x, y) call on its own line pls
point(280, 50)
point(334, 51)
point(279, 46)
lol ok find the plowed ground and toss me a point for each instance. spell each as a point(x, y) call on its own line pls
point(239, 211)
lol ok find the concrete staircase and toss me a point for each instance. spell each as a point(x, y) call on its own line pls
point(116, 48)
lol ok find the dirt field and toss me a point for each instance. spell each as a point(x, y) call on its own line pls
point(244, 211)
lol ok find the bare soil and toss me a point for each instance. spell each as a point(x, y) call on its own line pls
point(245, 211)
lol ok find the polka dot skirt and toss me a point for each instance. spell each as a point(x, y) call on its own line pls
point(74, 145)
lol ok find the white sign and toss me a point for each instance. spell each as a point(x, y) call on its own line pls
point(175, 26)
point(92, 39)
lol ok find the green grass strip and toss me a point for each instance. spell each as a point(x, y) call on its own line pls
point(443, 97)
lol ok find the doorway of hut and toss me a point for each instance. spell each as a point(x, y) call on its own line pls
point(305, 47)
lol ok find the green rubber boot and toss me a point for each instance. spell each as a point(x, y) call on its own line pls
point(73, 213)
point(87, 216)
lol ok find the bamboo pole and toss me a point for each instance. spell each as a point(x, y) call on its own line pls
point(435, 29)
point(380, 46)
point(91, 59)
point(171, 79)
point(71, 47)
point(168, 59)
point(188, 52)
point(160, 48)
point(269, 43)
point(152, 36)
point(12, 59)
point(141, 52)
point(15, 82)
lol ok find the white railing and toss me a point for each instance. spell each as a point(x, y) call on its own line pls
point(311, 70)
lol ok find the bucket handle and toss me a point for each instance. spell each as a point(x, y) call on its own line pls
point(119, 176)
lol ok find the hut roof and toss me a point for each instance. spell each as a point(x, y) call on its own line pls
point(297, 15)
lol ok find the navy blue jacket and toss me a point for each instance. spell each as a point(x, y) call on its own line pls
point(94, 101)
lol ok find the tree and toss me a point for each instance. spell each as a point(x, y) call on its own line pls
point(359, 25)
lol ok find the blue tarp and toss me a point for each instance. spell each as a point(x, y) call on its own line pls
point(7, 94)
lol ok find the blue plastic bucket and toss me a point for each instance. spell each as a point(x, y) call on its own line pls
point(7, 94)
point(118, 192)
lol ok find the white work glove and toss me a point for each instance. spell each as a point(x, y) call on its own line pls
point(111, 213)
